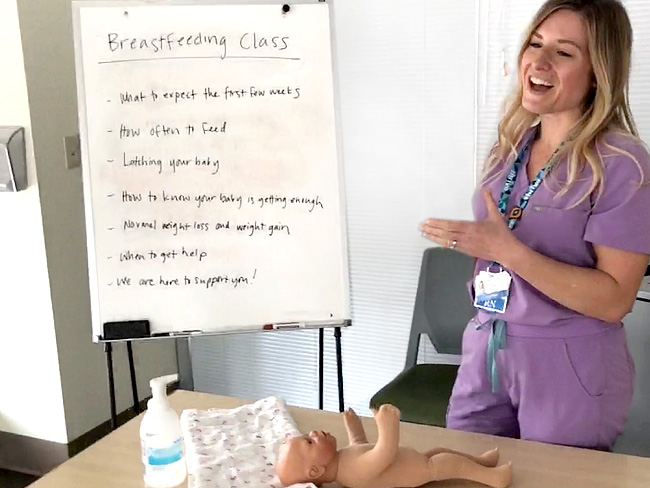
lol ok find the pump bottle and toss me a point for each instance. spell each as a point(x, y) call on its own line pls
point(161, 439)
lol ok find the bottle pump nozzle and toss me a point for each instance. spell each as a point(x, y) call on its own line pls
point(159, 387)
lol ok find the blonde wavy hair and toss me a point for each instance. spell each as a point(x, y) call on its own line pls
point(606, 106)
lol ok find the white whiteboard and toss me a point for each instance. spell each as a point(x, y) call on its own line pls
point(212, 177)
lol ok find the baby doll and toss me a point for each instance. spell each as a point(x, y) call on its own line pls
point(314, 458)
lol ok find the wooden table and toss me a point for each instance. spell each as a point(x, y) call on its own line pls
point(114, 461)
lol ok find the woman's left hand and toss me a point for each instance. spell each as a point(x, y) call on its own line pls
point(488, 239)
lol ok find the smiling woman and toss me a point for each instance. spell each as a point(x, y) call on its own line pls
point(556, 67)
point(551, 364)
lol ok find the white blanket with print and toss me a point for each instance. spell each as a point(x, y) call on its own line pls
point(236, 448)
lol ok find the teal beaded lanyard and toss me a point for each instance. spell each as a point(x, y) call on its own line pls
point(511, 178)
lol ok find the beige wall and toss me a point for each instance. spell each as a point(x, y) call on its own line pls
point(47, 358)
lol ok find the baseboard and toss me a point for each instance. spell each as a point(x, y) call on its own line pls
point(37, 456)
point(89, 438)
point(30, 455)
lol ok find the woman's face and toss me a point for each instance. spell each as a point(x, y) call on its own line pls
point(555, 67)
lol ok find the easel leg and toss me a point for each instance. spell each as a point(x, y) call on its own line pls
point(339, 366)
point(321, 341)
point(134, 384)
point(108, 349)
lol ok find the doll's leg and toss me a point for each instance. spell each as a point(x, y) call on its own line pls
point(445, 466)
point(354, 427)
point(488, 458)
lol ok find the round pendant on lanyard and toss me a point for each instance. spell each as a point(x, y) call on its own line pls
point(515, 213)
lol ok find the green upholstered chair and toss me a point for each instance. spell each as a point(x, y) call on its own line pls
point(442, 310)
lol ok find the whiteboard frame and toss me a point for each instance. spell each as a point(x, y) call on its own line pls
point(93, 281)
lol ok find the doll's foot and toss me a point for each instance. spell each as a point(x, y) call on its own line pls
point(502, 476)
point(489, 458)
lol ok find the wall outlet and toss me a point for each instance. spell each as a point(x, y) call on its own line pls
point(72, 146)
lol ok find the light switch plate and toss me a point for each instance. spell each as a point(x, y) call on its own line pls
point(72, 147)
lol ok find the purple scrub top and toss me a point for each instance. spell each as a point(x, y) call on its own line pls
point(550, 225)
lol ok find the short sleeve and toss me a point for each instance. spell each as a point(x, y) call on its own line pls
point(620, 218)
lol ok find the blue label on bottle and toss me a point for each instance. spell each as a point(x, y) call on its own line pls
point(164, 455)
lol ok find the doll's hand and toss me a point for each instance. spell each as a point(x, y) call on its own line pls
point(350, 414)
point(354, 427)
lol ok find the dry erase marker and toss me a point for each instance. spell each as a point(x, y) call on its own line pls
point(175, 333)
point(284, 326)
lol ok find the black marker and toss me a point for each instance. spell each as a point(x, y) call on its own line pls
point(176, 333)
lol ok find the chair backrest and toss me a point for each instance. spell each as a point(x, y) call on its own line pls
point(442, 304)
point(635, 438)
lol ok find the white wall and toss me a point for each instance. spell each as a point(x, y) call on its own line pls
point(53, 378)
point(46, 29)
point(31, 401)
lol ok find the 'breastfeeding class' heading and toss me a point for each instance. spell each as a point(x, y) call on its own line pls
point(170, 42)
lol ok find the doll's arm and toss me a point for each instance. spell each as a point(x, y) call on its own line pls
point(354, 428)
point(383, 454)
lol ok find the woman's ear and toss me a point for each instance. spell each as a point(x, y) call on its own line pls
point(316, 472)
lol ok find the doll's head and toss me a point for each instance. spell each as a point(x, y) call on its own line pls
point(305, 458)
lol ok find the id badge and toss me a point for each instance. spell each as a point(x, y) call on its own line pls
point(491, 290)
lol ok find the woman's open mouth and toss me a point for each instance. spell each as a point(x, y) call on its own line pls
point(539, 85)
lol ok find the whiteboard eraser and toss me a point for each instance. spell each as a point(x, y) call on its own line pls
point(126, 329)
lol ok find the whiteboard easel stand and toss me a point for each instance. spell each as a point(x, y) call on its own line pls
point(108, 350)
point(339, 366)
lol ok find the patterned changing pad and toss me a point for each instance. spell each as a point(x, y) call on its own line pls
point(236, 448)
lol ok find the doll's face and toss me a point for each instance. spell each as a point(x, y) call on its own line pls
point(304, 458)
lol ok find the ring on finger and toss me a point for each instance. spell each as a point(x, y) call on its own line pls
point(453, 244)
